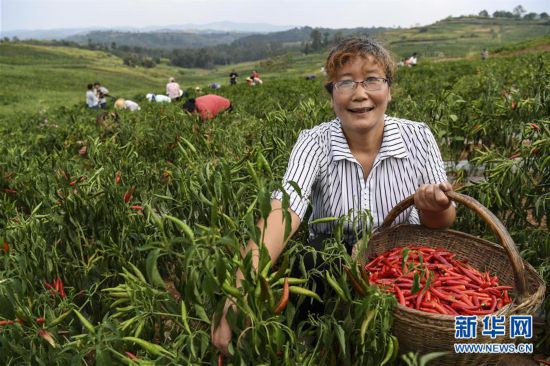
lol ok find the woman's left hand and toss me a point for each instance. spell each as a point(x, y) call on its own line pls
point(431, 197)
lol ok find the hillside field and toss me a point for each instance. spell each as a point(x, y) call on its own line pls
point(119, 243)
point(37, 77)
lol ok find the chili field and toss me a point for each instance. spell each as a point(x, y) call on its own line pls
point(120, 241)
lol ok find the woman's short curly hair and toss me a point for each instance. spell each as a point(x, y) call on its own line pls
point(350, 48)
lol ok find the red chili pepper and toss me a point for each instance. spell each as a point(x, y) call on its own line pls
point(419, 299)
point(354, 282)
point(471, 275)
point(59, 287)
point(40, 320)
point(9, 190)
point(131, 356)
point(136, 207)
point(220, 360)
point(128, 194)
point(6, 322)
point(284, 297)
point(56, 284)
point(506, 299)
point(118, 177)
point(450, 310)
point(441, 295)
point(534, 126)
point(6, 246)
point(428, 310)
point(400, 296)
point(50, 288)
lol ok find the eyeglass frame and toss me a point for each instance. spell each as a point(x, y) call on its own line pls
point(332, 85)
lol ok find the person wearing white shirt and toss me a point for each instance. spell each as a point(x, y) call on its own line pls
point(102, 92)
point(91, 98)
point(173, 89)
point(159, 98)
point(122, 103)
point(363, 160)
point(411, 61)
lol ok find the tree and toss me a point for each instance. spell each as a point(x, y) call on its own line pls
point(530, 16)
point(315, 40)
point(502, 14)
point(543, 15)
point(337, 37)
point(518, 11)
point(325, 38)
point(484, 14)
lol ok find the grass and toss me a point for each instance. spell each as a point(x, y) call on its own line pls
point(37, 78)
point(457, 37)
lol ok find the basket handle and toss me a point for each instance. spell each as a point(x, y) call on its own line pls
point(494, 223)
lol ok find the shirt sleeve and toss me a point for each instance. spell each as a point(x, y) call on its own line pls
point(302, 169)
point(432, 169)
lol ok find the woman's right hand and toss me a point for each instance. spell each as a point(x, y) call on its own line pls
point(221, 333)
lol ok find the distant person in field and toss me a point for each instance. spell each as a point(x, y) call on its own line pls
point(361, 160)
point(102, 94)
point(91, 98)
point(173, 90)
point(208, 106)
point(484, 54)
point(215, 86)
point(159, 98)
point(256, 77)
point(412, 61)
point(122, 103)
point(233, 76)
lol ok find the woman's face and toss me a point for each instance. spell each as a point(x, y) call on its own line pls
point(360, 110)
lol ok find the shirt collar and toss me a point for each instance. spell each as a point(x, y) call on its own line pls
point(392, 142)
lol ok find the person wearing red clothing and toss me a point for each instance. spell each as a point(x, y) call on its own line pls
point(208, 106)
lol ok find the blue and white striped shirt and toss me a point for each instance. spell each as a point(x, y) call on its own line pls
point(332, 180)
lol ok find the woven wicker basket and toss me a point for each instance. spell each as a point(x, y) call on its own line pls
point(426, 332)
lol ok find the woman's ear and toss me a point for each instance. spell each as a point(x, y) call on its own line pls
point(389, 95)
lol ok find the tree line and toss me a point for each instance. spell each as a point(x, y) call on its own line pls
point(208, 50)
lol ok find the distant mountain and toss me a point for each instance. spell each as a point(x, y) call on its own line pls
point(224, 26)
point(158, 40)
point(45, 34)
point(242, 43)
point(64, 33)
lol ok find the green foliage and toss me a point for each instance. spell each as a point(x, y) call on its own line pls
point(148, 273)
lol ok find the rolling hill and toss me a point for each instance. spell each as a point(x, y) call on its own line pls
point(39, 77)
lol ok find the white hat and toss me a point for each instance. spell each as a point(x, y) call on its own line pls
point(119, 104)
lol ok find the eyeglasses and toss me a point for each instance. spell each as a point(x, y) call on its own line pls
point(370, 84)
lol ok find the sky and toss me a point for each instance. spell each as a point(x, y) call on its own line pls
point(53, 14)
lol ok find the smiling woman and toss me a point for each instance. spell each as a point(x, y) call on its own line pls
point(363, 160)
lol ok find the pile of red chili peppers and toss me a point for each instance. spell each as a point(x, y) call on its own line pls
point(433, 281)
